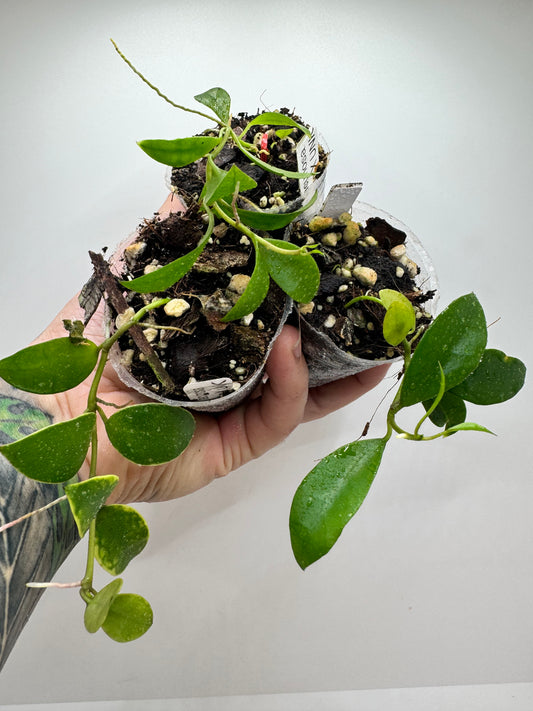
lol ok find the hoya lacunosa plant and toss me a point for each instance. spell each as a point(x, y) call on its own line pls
point(450, 367)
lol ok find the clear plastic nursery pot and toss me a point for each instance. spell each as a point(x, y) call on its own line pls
point(326, 360)
point(241, 357)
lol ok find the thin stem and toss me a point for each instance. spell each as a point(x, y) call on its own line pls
point(160, 93)
point(365, 297)
point(32, 513)
point(76, 584)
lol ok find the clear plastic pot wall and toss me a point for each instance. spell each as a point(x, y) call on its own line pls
point(326, 361)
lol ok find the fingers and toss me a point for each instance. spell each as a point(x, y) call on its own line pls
point(332, 396)
point(262, 423)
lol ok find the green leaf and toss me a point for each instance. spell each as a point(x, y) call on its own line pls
point(272, 168)
point(180, 151)
point(226, 186)
point(98, 608)
point(269, 221)
point(274, 118)
point(399, 320)
point(129, 617)
point(218, 100)
point(298, 275)
point(456, 340)
point(283, 132)
point(50, 367)
point(55, 453)
point(165, 277)
point(450, 411)
point(466, 426)
point(87, 497)
point(497, 378)
point(121, 534)
point(255, 292)
point(151, 433)
point(330, 495)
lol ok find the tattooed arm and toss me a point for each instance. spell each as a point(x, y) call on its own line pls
point(34, 549)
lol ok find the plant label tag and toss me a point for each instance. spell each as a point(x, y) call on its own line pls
point(307, 155)
point(340, 199)
point(208, 389)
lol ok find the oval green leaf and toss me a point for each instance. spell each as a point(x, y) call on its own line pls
point(218, 100)
point(129, 617)
point(87, 497)
point(399, 320)
point(297, 274)
point(254, 294)
point(497, 378)
point(98, 608)
point(180, 151)
point(457, 340)
point(55, 453)
point(152, 433)
point(330, 495)
point(121, 534)
point(450, 411)
point(50, 367)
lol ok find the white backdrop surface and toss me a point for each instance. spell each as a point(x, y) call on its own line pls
point(430, 105)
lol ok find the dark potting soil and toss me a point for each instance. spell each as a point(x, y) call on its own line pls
point(197, 344)
point(281, 153)
point(358, 328)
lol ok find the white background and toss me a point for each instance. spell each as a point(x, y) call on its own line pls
point(430, 105)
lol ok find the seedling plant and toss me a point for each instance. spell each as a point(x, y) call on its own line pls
point(445, 367)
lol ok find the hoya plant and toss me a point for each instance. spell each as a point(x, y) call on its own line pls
point(55, 454)
point(443, 370)
point(445, 367)
point(290, 266)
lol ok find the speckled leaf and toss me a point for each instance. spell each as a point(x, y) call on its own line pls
point(180, 151)
point(129, 617)
point(87, 497)
point(121, 534)
point(55, 453)
point(50, 367)
point(497, 378)
point(456, 340)
point(218, 100)
point(98, 608)
point(298, 275)
point(450, 411)
point(152, 433)
point(254, 293)
point(330, 495)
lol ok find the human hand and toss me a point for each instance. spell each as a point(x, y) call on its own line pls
point(221, 443)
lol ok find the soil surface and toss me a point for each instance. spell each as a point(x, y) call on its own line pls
point(272, 191)
point(377, 248)
point(197, 344)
